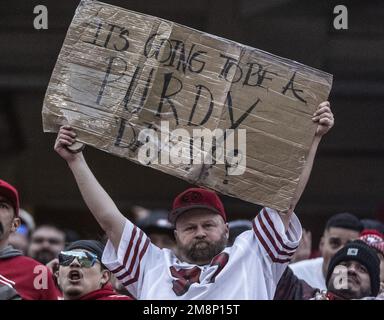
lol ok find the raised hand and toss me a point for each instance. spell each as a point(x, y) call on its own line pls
point(324, 117)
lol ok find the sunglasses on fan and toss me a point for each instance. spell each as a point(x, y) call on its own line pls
point(85, 259)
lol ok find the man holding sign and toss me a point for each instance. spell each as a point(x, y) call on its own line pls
point(201, 266)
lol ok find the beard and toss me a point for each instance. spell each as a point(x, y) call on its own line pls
point(349, 292)
point(203, 251)
point(44, 256)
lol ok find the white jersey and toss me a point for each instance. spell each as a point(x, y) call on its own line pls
point(311, 271)
point(250, 269)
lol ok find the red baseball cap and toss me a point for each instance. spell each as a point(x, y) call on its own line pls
point(196, 198)
point(10, 192)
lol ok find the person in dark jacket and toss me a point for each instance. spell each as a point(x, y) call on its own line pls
point(291, 287)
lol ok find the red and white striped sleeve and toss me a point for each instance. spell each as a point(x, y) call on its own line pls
point(6, 282)
point(128, 263)
point(276, 242)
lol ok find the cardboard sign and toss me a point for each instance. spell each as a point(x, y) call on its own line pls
point(120, 73)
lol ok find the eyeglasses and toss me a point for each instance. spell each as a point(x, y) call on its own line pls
point(85, 259)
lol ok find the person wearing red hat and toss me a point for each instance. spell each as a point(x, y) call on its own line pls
point(202, 266)
point(375, 240)
point(31, 280)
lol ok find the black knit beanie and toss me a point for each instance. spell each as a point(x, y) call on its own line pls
point(359, 251)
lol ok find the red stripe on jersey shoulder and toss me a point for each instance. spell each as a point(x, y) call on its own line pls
point(127, 252)
point(133, 261)
point(277, 235)
point(136, 277)
point(267, 249)
point(272, 240)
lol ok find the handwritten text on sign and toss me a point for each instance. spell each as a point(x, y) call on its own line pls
point(120, 72)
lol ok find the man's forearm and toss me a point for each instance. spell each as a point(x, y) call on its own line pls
point(98, 201)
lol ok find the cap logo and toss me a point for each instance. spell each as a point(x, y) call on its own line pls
point(193, 197)
point(352, 252)
point(371, 239)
